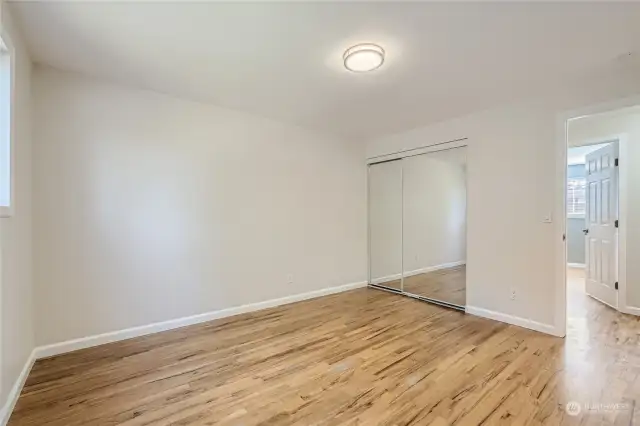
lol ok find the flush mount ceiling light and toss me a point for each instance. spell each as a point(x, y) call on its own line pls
point(363, 57)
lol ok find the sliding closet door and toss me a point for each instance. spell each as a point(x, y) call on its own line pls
point(385, 224)
point(434, 230)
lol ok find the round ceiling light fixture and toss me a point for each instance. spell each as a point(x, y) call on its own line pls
point(363, 57)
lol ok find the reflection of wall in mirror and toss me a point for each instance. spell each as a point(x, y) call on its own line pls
point(435, 210)
point(385, 221)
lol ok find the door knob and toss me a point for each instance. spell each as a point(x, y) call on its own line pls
point(586, 231)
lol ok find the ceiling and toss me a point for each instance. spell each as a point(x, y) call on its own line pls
point(284, 60)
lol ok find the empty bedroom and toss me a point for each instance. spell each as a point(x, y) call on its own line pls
point(319, 213)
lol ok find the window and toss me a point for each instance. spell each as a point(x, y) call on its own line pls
point(6, 149)
point(576, 197)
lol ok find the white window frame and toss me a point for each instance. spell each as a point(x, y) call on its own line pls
point(575, 215)
point(7, 140)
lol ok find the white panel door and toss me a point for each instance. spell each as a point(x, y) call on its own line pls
point(601, 233)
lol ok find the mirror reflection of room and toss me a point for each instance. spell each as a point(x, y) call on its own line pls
point(385, 224)
point(435, 225)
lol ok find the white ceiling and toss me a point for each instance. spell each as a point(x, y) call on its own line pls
point(284, 60)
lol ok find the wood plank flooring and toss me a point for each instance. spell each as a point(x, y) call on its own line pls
point(447, 285)
point(364, 357)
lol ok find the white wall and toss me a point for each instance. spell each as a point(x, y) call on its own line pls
point(600, 127)
point(587, 130)
point(149, 208)
point(513, 170)
point(435, 198)
point(16, 307)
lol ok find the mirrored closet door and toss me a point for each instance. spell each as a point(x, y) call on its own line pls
point(385, 224)
point(434, 226)
point(418, 223)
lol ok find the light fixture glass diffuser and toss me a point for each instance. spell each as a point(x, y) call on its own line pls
point(363, 57)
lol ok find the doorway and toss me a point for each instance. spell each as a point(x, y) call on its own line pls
point(592, 225)
point(599, 188)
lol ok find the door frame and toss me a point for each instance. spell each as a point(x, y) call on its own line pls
point(562, 145)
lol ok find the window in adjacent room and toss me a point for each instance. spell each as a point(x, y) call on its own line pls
point(576, 197)
point(6, 148)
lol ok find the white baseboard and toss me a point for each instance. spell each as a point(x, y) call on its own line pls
point(386, 279)
point(418, 272)
point(434, 268)
point(114, 336)
point(511, 319)
point(14, 394)
point(631, 310)
point(576, 265)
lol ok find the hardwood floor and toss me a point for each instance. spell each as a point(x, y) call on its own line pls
point(447, 285)
point(364, 357)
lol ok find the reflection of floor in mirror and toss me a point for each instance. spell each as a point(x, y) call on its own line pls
point(391, 284)
point(448, 285)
